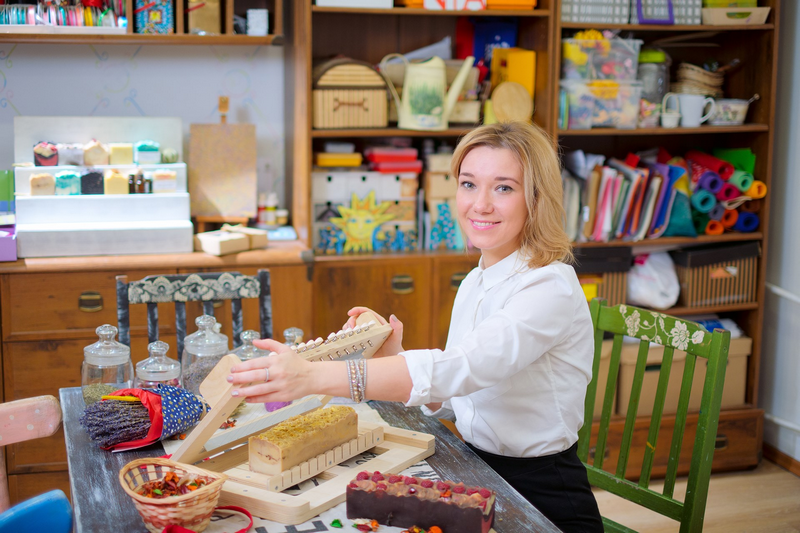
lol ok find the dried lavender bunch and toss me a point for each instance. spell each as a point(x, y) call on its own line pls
point(111, 422)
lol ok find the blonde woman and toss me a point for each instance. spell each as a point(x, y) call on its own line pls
point(519, 351)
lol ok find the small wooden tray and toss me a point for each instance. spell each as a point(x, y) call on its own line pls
point(399, 450)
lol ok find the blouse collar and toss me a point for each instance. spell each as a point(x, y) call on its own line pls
point(502, 270)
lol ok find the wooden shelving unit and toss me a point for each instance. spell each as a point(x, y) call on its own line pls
point(410, 11)
point(667, 27)
point(702, 130)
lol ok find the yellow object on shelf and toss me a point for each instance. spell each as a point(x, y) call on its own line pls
point(514, 64)
point(325, 159)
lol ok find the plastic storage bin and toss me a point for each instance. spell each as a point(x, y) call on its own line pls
point(579, 102)
point(599, 11)
point(614, 104)
point(611, 59)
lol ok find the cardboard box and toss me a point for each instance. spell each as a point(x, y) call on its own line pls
point(732, 393)
point(439, 185)
point(257, 237)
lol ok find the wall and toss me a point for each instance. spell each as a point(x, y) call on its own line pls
point(780, 363)
point(131, 80)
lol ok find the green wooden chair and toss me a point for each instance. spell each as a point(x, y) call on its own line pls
point(672, 333)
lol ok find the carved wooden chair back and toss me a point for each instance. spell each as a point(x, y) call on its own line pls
point(672, 333)
point(207, 288)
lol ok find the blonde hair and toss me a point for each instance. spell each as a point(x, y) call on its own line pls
point(543, 239)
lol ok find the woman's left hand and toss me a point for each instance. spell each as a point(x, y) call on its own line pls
point(281, 377)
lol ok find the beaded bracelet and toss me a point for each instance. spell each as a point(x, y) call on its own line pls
point(352, 377)
point(357, 377)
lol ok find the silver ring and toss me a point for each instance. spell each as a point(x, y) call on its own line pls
point(266, 377)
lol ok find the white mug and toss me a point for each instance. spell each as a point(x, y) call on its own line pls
point(691, 107)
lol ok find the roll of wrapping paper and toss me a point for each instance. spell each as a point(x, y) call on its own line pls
point(747, 222)
point(703, 201)
point(729, 218)
point(714, 227)
point(723, 168)
point(728, 192)
point(710, 181)
point(751, 206)
point(742, 180)
point(716, 212)
point(700, 221)
point(736, 202)
point(757, 190)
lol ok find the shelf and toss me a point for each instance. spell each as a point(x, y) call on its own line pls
point(665, 27)
point(138, 38)
point(433, 12)
point(676, 241)
point(744, 128)
point(706, 309)
point(388, 132)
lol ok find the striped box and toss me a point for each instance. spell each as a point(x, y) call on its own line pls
point(348, 94)
point(718, 275)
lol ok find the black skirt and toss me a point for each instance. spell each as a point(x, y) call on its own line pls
point(556, 485)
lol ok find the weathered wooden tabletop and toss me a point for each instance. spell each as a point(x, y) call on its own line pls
point(100, 505)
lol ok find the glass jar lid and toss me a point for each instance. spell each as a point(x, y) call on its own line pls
point(247, 350)
point(158, 367)
point(206, 341)
point(107, 351)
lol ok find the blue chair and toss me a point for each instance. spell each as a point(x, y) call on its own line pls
point(22, 420)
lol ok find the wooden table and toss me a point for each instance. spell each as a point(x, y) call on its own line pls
point(100, 504)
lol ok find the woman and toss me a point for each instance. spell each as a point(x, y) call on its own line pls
point(519, 350)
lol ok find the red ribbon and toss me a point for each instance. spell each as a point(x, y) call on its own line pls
point(152, 402)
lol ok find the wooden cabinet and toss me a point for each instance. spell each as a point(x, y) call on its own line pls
point(448, 273)
point(50, 310)
point(386, 285)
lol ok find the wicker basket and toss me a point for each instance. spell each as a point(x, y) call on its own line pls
point(689, 72)
point(192, 511)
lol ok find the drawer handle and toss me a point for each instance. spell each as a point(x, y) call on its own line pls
point(721, 442)
point(90, 302)
point(217, 304)
point(402, 284)
point(456, 279)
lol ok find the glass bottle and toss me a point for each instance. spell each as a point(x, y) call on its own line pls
point(292, 336)
point(131, 183)
point(158, 369)
point(106, 365)
point(247, 350)
point(653, 72)
point(202, 350)
point(140, 184)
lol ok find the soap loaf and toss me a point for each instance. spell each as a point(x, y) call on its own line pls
point(42, 184)
point(120, 154)
point(301, 438)
point(68, 182)
point(45, 154)
point(95, 153)
point(403, 501)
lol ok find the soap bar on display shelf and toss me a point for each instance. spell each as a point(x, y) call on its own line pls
point(45, 154)
point(115, 183)
point(147, 153)
point(221, 242)
point(120, 154)
point(95, 153)
point(164, 181)
point(92, 183)
point(258, 237)
point(43, 184)
point(70, 154)
point(68, 182)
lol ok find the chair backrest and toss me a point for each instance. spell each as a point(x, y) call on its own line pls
point(21, 420)
point(672, 333)
point(203, 287)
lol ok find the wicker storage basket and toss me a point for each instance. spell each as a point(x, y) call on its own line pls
point(689, 72)
point(192, 511)
point(348, 94)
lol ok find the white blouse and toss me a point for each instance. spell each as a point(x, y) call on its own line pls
point(517, 362)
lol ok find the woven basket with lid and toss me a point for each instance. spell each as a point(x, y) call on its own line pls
point(192, 511)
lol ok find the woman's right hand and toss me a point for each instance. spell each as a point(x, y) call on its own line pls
point(394, 344)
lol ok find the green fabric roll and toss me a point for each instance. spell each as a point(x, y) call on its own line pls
point(700, 222)
point(742, 180)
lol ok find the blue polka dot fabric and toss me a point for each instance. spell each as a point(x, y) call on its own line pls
point(181, 409)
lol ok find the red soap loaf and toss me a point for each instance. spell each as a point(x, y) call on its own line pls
point(403, 501)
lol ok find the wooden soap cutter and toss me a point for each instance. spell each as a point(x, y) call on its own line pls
point(397, 449)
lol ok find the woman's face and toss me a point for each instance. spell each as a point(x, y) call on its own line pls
point(491, 202)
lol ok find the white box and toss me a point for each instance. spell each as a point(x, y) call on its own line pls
point(257, 22)
point(100, 208)
point(110, 238)
point(22, 175)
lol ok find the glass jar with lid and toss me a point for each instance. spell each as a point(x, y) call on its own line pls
point(247, 350)
point(653, 72)
point(292, 336)
point(158, 369)
point(106, 367)
point(202, 350)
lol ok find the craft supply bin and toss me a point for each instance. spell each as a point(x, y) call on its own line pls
point(614, 104)
point(719, 275)
point(608, 59)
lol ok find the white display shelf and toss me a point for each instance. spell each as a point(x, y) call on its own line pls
point(22, 175)
point(109, 238)
point(102, 208)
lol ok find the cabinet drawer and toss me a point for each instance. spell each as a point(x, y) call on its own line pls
point(448, 273)
point(68, 305)
point(738, 443)
point(42, 367)
point(25, 486)
point(387, 286)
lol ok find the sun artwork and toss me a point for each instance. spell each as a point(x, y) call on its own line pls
point(359, 221)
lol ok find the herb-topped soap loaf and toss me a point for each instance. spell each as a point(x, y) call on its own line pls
point(403, 501)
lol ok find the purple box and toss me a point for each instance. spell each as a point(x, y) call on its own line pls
point(8, 243)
